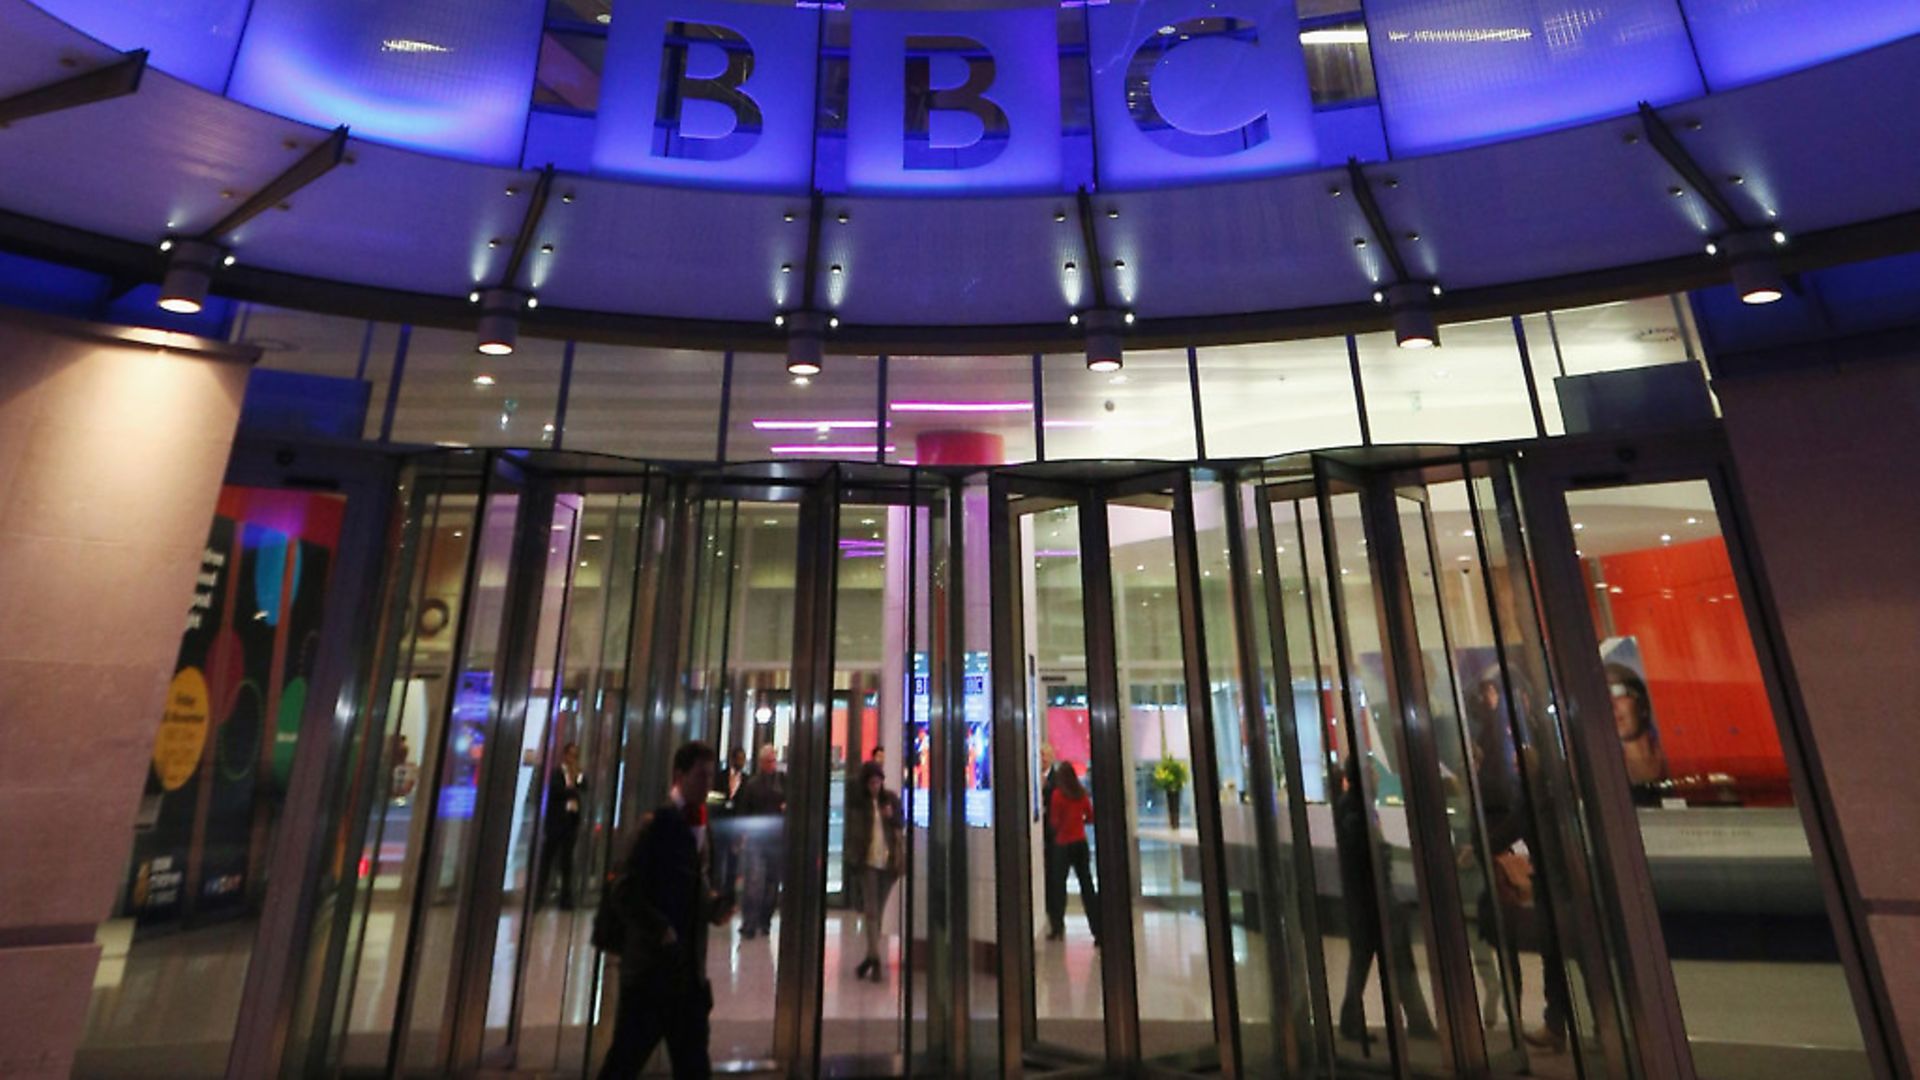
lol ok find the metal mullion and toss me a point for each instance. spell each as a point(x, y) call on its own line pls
point(910, 638)
point(403, 997)
point(1120, 995)
point(1206, 777)
point(1377, 857)
point(1652, 1002)
point(1428, 829)
point(1321, 1023)
point(953, 772)
point(1846, 908)
point(1568, 899)
point(493, 836)
point(1011, 737)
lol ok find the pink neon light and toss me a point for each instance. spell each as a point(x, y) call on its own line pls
point(827, 448)
point(961, 406)
point(812, 425)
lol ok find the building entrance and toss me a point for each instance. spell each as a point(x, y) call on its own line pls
point(1371, 762)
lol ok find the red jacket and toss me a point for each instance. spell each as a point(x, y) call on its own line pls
point(1068, 817)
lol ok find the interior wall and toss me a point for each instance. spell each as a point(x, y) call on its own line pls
point(1826, 460)
point(111, 457)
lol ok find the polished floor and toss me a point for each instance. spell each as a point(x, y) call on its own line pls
point(165, 1007)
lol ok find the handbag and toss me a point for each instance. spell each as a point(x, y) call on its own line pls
point(1513, 879)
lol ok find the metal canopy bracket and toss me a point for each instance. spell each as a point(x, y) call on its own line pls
point(1667, 144)
point(1090, 240)
point(118, 79)
point(316, 163)
point(529, 224)
point(1376, 221)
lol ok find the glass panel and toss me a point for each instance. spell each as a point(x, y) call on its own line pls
point(865, 940)
point(1259, 924)
point(1144, 413)
point(1068, 1002)
point(1753, 951)
point(960, 410)
point(662, 404)
point(833, 415)
point(1170, 926)
point(175, 950)
point(1376, 810)
point(443, 885)
point(742, 641)
point(1258, 400)
point(568, 76)
point(549, 801)
point(1605, 337)
point(453, 396)
point(978, 947)
point(1471, 389)
point(310, 344)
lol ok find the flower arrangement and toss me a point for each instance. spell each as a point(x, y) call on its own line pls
point(1171, 774)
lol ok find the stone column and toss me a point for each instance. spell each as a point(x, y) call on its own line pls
point(113, 445)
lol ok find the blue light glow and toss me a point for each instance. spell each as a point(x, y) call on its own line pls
point(752, 129)
point(453, 76)
point(189, 39)
point(1182, 106)
point(1744, 41)
point(1015, 52)
point(1456, 73)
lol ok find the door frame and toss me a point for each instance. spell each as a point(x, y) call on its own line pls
point(1546, 474)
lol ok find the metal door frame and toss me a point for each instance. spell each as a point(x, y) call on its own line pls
point(1119, 992)
point(1546, 476)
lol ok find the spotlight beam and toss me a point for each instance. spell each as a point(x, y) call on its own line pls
point(1667, 145)
point(108, 81)
point(1376, 221)
point(312, 165)
point(1096, 269)
point(529, 225)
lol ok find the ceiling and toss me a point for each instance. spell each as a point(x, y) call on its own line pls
point(1568, 216)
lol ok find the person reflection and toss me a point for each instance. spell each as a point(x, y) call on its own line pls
point(760, 812)
point(566, 789)
point(1354, 833)
point(1069, 810)
point(876, 834)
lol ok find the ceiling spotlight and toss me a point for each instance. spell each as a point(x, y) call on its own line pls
point(1129, 318)
point(833, 322)
point(190, 266)
point(228, 261)
point(1073, 319)
point(1713, 248)
point(1779, 237)
point(483, 380)
point(779, 320)
point(499, 327)
point(806, 345)
point(1104, 350)
point(166, 245)
point(473, 297)
point(1379, 297)
point(533, 302)
point(1414, 326)
point(1753, 268)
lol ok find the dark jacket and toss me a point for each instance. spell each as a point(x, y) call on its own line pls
point(763, 793)
point(664, 887)
point(861, 823)
point(560, 820)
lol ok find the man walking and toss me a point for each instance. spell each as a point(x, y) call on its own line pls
point(760, 812)
point(664, 903)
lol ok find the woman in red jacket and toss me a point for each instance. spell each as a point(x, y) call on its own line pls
point(1069, 811)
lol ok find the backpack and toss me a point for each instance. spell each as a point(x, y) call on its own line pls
point(610, 918)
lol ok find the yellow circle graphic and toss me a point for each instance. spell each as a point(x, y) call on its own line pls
point(183, 729)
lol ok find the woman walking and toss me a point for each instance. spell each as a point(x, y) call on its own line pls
point(1069, 809)
point(876, 837)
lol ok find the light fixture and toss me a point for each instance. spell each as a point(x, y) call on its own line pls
point(1752, 266)
point(499, 326)
point(1411, 303)
point(806, 342)
point(190, 265)
point(1104, 351)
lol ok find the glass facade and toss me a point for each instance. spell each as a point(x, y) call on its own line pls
point(1483, 384)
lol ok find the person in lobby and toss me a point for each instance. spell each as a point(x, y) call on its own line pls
point(665, 904)
point(760, 812)
point(566, 794)
point(1069, 811)
point(728, 781)
point(1354, 828)
point(876, 833)
point(1055, 882)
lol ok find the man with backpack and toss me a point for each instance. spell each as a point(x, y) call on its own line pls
point(655, 917)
